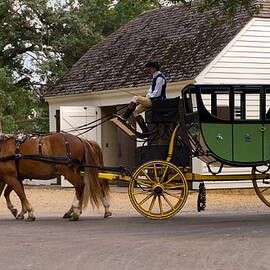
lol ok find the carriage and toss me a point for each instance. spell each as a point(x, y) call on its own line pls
point(221, 125)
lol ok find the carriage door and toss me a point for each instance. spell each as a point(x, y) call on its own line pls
point(266, 130)
point(247, 135)
point(72, 117)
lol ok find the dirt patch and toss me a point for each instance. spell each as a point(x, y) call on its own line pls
point(54, 201)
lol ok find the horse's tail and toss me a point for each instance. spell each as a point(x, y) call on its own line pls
point(93, 187)
point(104, 183)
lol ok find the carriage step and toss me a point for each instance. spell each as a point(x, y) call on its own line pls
point(126, 127)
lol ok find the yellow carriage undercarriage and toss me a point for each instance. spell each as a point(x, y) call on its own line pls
point(158, 189)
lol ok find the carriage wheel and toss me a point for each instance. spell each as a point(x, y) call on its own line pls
point(262, 189)
point(158, 190)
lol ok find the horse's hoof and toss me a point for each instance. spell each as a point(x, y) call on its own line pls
point(67, 215)
point(29, 219)
point(107, 214)
point(20, 217)
point(14, 212)
point(74, 218)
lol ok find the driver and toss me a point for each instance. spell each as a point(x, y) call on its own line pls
point(157, 91)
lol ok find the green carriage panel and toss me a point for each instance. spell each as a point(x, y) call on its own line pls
point(247, 143)
point(218, 138)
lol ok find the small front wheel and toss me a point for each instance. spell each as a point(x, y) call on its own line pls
point(158, 189)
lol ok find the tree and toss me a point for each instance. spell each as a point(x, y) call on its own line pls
point(229, 7)
point(40, 41)
point(15, 102)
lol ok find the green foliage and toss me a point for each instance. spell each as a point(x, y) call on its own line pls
point(229, 8)
point(15, 103)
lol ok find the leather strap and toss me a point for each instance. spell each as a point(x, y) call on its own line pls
point(40, 143)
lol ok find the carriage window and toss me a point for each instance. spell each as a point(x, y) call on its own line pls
point(239, 106)
point(247, 104)
point(267, 103)
point(191, 102)
point(253, 106)
point(207, 101)
point(194, 102)
point(223, 104)
point(217, 103)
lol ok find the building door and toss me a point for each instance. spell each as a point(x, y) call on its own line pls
point(72, 117)
point(126, 151)
point(74, 120)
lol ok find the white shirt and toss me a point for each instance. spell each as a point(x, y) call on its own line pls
point(158, 88)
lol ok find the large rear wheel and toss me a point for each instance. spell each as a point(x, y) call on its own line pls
point(262, 189)
point(158, 189)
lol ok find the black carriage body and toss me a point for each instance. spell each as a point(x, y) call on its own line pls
point(164, 117)
point(181, 154)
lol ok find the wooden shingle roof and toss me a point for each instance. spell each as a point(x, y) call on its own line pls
point(183, 41)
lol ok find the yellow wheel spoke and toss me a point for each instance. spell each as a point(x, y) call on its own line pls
point(147, 176)
point(174, 186)
point(146, 199)
point(147, 184)
point(155, 171)
point(168, 202)
point(263, 190)
point(152, 203)
point(141, 192)
point(164, 173)
point(174, 195)
point(160, 205)
point(172, 178)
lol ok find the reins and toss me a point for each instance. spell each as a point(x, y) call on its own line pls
point(66, 160)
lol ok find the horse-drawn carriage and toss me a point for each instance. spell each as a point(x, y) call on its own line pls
point(222, 125)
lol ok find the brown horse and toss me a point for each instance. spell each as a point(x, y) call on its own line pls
point(62, 154)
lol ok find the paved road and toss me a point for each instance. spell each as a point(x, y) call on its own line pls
point(187, 241)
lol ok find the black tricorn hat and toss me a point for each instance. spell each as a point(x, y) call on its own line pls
point(153, 65)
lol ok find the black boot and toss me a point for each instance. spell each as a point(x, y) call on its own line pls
point(141, 123)
point(130, 109)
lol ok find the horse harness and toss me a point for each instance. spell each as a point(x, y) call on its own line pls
point(20, 139)
point(67, 160)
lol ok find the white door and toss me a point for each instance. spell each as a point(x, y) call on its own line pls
point(74, 120)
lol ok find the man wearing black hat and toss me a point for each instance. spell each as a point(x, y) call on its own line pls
point(157, 91)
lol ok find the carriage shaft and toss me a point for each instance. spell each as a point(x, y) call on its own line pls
point(194, 177)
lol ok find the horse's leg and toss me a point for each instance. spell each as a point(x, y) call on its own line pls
point(106, 205)
point(10, 206)
point(78, 199)
point(105, 200)
point(24, 209)
point(2, 186)
point(76, 209)
point(69, 213)
point(15, 184)
point(6, 194)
